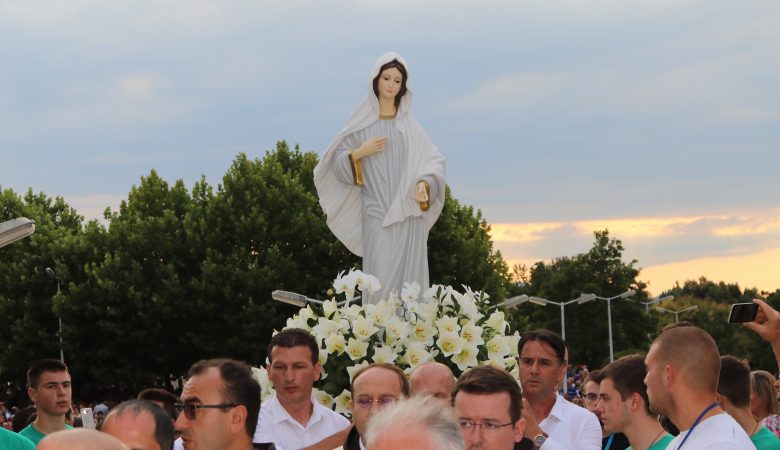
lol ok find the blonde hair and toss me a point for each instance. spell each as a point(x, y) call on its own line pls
point(762, 383)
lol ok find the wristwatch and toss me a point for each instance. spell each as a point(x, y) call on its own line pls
point(540, 439)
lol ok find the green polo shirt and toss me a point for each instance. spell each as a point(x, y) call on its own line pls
point(764, 439)
point(34, 435)
point(12, 441)
point(661, 444)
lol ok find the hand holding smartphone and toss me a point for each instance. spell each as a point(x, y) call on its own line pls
point(743, 312)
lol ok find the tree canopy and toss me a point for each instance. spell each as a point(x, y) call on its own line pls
point(178, 274)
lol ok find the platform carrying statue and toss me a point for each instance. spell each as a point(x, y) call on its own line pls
point(381, 182)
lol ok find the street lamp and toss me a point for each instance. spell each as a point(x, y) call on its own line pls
point(583, 298)
point(15, 229)
point(652, 301)
point(301, 300)
point(624, 295)
point(677, 313)
point(50, 272)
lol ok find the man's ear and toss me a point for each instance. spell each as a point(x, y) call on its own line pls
point(33, 394)
point(238, 419)
point(318, 369)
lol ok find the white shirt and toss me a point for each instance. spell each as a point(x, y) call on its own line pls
point(719, 432)
point(276, 425)
point(571, 427)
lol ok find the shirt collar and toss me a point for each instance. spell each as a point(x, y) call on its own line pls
point(279, 414)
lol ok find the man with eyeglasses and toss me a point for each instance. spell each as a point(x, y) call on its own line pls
point(49, 387)
point(220, 405)
point(552, 422)
point(292, 419)
point(488, 404)
point(373, 387)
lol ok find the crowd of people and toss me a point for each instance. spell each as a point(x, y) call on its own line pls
point(681, 394)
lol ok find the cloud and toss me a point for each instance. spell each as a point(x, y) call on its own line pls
point(659, 244)
point(92, 206)
point(758, 270)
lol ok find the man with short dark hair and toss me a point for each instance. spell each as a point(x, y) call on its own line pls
point(623, 404)
point(591, 389)
point(291, 419)
point(433, 379)
point(161, 398)
point(373, 387)
point(682, 379)
point(220, 405)
point(734, 398)
point(141, 425)
point(488, 404)
point(49, 387)
point(552, 422)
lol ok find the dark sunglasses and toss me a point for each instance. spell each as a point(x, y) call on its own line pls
point(189, 409)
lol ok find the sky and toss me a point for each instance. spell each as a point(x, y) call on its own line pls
point(656, 119)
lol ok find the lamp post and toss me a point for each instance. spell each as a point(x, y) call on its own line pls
point(520, 299)
point(624, 295)
point(13, 230)
point(652, 301)
point(301, 300)
point(583, 298)
point(50, 272)
point(677, 313)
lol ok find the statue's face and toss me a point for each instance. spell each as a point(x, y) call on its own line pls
point(389, 83)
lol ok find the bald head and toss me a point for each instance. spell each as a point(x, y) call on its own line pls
point(693, 353)
point(80, 439)
point(434, 379)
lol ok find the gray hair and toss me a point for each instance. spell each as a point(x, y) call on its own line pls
point(417, 412)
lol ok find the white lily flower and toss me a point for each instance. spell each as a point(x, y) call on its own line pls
point(469, 309)
point(363, 328)
point(297, 322)
point(410, 291)
point(385, 355)
point(395, 329)
point(343, 402)
point(450, 343)
point(467, 357)
point(351, 371)
point(335, 343)
point(369, 283)
point(472, 334)
point(496, 321)
point(498, 347)
point(423, 332)
point(416, 354)
point(330, 307)
point(448, 325)
point(324, 328)
point(356, 348)
point(323, 397)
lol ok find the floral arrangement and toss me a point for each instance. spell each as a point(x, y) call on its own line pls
point(462, 330)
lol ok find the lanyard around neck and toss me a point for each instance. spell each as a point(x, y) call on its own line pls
point(609, 442)
point(706, 410)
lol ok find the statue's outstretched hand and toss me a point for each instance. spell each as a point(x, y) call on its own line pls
point(370, 147)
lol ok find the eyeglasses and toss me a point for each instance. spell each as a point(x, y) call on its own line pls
point(487, 426)
point(365, 403)
point(189, 409)
point(591, 397)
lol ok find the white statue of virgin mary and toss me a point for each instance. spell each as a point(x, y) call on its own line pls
point(381, 182)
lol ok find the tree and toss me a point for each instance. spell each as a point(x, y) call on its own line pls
point(28, 308)
point(179, 275)
point(602, 271)
point(460, 251)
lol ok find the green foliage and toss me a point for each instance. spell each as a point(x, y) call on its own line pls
point(460, 251)
point(601, 271)
point(178, 275)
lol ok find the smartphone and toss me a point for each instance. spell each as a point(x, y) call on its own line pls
point(87, 418)
point(743, 312)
